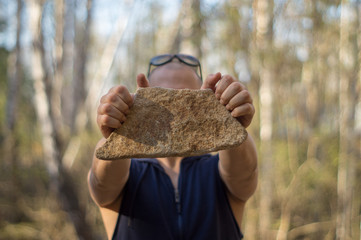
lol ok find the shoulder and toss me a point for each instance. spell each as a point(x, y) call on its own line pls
point(204, 168)
point(203, 159)
point(207, 161)
point(138, 165)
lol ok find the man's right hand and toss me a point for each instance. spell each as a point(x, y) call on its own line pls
point(115, 105)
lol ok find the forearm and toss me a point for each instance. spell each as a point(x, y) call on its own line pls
point(238, 169)
point(106, 179)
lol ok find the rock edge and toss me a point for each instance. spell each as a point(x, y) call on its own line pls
point(171, 122)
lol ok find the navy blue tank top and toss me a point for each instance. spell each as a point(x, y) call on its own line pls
point(199, 209)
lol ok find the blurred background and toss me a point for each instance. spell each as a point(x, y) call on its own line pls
point(300, 59)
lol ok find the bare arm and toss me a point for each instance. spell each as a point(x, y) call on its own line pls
point(107, 179)
point(237, 166)
point(238, 169)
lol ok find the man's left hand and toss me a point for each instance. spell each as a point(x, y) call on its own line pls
point(232, 94)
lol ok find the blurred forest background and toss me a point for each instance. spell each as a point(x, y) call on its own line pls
point(300, 59)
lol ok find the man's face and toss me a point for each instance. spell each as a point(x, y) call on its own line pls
point(175, 75)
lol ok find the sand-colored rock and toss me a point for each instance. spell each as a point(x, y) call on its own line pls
point(168, 122)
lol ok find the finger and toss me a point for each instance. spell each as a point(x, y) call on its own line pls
point(223, 84)
point(106, 131)
point(245, 112)
point(123, 93)
point(112, 111)
point(239, 99)
point(115, 100)
point(232, 90)
point(108, 121)
point(211, 81)
point(142, 81)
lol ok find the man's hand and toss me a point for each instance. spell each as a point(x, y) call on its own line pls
point(232, 94)
point(115, 105)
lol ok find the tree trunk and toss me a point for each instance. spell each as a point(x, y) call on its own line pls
point(97, 84)
point(197, 30)
point(15, 74)
point(238, 44)
point(347, 96)
point(288, 201)
point(40, 98)
point(79, 81)
point(97, 81)
point(67, 61)
point(58, 66)
point(357, 199)
point(264, 34)
point(174, 45)
point(60, 181)
point(189, 29)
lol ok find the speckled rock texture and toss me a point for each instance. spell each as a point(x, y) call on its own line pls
point(169, 122)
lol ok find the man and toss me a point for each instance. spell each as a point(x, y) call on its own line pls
point(199, 197)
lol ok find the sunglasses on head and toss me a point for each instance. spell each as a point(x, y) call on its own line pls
point(183, 58)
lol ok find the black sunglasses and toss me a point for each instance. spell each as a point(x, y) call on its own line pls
point(183, 58)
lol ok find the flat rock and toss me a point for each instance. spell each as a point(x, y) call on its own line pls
point(169, 122)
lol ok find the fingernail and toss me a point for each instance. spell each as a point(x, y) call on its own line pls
point(218, 96)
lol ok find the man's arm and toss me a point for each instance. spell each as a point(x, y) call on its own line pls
point(238, 169)
point(107, 179)
point(237, 166)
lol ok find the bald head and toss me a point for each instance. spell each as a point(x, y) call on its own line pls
point(175, 75)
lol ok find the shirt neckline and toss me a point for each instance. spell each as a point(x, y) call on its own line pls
point(185, 159)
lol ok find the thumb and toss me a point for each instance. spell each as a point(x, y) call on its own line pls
point(211, 81)
point(142, 81)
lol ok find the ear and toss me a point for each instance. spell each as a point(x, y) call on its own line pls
point(142, 81)
point(211, 81)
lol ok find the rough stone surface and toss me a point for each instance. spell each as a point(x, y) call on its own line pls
point(168, 122)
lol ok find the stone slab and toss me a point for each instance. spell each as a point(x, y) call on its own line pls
point(169, 122)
